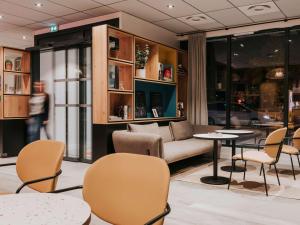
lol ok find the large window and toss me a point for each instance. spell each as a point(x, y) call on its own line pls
point(216, 81)
point(257, 79)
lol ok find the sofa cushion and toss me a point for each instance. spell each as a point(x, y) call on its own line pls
point(181, 130)
point(144, 128)
point(178, 150)
point(165, 133)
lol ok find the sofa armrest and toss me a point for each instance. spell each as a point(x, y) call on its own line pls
point(198, 129)
point(137, 143)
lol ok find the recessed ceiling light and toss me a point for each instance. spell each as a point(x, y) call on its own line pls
point(258, 8)
point(1, 17)
point(235, 54)
point(276, 50)
point(171, 6)
point(38, 4)
point(242, 45)
point(24, 37)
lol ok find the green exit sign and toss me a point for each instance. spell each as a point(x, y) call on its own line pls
point(53, 28)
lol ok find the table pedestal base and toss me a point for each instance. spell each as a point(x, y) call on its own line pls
point(235, 169)
point(214, 180)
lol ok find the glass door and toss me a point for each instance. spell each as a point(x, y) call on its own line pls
point(71, 114)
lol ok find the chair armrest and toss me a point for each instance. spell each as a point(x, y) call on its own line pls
point(160, 216)
point(138, 143)
point(38, 180)
point(198, 129)
point(67, 189)
point(7, 164)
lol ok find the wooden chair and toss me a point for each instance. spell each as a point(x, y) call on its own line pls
point(269, 154)
point(125, 188)
point(293, 148)
point(38, 165)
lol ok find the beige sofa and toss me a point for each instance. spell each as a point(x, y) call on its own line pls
point(172, 143)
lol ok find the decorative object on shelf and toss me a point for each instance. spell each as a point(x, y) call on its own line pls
point(18, 63)
point(113, 46)
point(219, 86)
point(125, 112)
point(113, 76)
point(181, 71)
point(180, 108)
point(168, 71)
point(160, 71)
point(141, 58)
point(155, 114)
point(140, 104)
point(156, 101)
point(8, 65)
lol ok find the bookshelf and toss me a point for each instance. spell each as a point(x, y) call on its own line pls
point(15, 83)
point(122, 80)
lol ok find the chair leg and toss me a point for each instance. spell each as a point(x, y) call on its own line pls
point(230, 176)
point(245, 170)
point(263, 170)
point(298, 160)
point(260, 169)
point(293, 167)
point(277, 174)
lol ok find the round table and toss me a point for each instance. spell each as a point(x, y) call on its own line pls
point(215, 179)
point(233, 167)
point(268, 126)
point(43, 209)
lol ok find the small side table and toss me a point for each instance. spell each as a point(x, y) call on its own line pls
point(233, 167)
point(215, 179)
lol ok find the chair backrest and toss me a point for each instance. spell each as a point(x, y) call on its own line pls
point(40, 159)
point(125, 188)
point(296, 139)
point(274, 142)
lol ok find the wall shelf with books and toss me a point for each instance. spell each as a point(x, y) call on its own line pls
point(132, 67)
point(15, 83)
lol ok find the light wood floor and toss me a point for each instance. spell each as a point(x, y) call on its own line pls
point(192, 203)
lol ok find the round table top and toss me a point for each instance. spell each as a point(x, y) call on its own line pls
point(216, 136)
point(233, 131)
point(270, 124)
point(43, 209)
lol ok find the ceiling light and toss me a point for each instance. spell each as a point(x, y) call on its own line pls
point(171, 6)
point(1, 17)
point(276, 50)
point(242, 45)
point(258, 8)
point(235, 54)
point(290, 40)
point(24, 37)
point(38, 4)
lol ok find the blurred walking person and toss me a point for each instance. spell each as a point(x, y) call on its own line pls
point(38, 112)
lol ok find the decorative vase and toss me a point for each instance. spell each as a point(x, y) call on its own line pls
point(140, 73)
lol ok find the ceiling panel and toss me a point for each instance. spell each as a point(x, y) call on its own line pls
point(175, 25)
point(76, 16)
point(210, 5)
point(140, 10)
point(24, 12)
point(268, 17)
point(180, 8)
point(103, 10)
point(54, 21)
point(106, 2)
point(47, 7)
point(6, 26)
point(229, 17)
point(209, 26)
point(15, 19)
point(36, 26)
point(247, 2)
point(77, 4)
point(290, 8)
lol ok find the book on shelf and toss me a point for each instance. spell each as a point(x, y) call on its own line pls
point(113, 76)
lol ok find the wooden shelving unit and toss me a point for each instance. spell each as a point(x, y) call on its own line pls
point(15, 83)
point(115, 80)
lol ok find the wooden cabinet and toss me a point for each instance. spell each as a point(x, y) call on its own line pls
point(15, 83)
point(119, 75)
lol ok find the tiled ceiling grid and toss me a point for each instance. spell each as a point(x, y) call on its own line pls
point(18, 18)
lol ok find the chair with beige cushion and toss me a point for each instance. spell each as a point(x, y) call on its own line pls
point(38, 165)
point(293, 149)
point(269, 155)
point(124, 188)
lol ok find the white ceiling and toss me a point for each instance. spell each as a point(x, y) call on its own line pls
point(21, 17)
